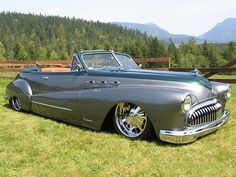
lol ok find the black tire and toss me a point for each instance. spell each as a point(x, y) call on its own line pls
point(15, 104)
point(147, 128)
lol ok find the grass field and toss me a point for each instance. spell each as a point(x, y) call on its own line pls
point(8, 74)
point(31, 145)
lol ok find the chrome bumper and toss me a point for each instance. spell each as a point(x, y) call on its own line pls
point(193, 133)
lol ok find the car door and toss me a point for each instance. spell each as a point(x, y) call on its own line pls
point(57, 94)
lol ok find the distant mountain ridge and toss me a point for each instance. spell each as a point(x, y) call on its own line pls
point(221, 33)
point(152, 29)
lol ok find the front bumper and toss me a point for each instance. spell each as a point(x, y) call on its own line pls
point(191, 134)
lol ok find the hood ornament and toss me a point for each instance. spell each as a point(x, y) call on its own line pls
point(196, 71)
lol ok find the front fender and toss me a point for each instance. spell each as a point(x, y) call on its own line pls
point(161, 104)
point(21, 89)
point(219, 89)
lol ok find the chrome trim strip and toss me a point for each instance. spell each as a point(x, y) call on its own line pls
point(116, 58)
point(201, 114)
point(192, 134)
point(87, 120)
point(52, 106)
point(202, 104)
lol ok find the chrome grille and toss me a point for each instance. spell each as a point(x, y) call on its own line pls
point(205, 114)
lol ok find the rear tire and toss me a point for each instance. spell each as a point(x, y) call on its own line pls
point(132, 122)
point(15, 104)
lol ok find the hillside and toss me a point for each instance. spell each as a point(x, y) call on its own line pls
point(30, 37)
point(223, 32)
point(38, 37)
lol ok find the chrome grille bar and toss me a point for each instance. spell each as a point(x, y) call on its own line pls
point(205, 114)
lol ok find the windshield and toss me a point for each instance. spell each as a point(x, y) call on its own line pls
point(108, 61)
point(126, 61)
point(100, 61)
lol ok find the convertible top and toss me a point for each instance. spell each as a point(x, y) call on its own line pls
point(55, 69)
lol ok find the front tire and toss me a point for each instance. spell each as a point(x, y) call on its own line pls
point(132, 122)
point(15, 104)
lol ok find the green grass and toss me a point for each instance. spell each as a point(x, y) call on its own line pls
point(8, 74)
point(31, 145)
point(219, 76)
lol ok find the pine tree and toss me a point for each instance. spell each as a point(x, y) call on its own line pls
point(2, 52)
point(22, 53)
point(61, 41)
point(54, 55)
point(41, 54)
point(173, 54)
point(32, 50)
point(230, 51)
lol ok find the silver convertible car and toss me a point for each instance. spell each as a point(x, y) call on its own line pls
point(106, 86)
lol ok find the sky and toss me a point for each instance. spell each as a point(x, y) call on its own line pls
point(192, 17)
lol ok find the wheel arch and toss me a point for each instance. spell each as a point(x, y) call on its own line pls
point(108, 121)
point(22, 90)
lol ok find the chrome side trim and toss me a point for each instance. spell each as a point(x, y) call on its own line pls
point(189, 135)
point(52, 106)
point(87, 120)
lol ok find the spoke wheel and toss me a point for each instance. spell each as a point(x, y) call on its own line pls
point(131, 121)
point(15, 103)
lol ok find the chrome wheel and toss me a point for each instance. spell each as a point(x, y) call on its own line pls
point(130, 119)
point(15, 102)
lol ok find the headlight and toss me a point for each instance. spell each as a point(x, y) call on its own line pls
point(186, 103)
point(228, 93)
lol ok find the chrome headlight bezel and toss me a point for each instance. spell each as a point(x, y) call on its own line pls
point(228, 93)
point(186, 103)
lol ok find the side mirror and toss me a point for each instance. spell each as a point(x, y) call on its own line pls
point(140, 66)
point(78, 67)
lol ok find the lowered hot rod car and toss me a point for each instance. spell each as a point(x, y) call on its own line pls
point(101, 86)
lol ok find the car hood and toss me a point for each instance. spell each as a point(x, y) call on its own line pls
point(187, 77)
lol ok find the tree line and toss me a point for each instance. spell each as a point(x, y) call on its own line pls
point(39, 37)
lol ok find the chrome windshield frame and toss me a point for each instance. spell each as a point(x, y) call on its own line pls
point(131, 59)
point(94, 53)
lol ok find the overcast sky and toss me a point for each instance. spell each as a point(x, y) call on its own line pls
point(192, 17)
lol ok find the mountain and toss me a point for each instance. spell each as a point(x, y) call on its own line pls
point(152, 29)
point(223, 32)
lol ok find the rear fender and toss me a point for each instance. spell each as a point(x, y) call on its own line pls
point(22, 90)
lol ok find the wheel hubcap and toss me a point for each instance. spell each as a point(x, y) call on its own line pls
point(130, 119)
point(16, 103)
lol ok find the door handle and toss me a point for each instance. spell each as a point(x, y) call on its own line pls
point(102, 82)
point(45, 78)
point(90, 82)
point(115, 83)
